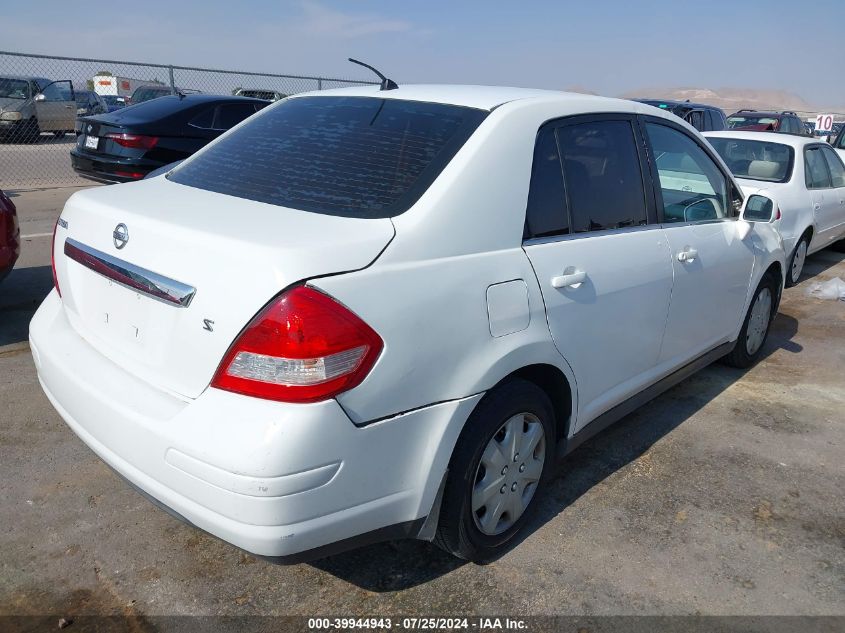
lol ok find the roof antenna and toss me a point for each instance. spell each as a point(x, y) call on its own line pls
point(386, 84)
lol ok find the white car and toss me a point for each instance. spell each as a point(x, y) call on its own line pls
point(363, 314)
point(804, 176)
point(838, 143)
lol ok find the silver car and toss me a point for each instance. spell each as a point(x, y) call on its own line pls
point(31, 105)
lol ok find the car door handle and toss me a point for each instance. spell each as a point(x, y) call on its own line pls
point(572, 279)
point(816, 206)
point(687, 255)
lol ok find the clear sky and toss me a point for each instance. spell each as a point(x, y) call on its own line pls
point(609, 46)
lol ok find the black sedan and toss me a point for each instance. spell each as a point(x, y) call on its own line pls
point(126, 145)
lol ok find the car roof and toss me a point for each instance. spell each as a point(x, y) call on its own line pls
point(767, 137)
point(480, 97)
point(762, 113)
point(25, 77)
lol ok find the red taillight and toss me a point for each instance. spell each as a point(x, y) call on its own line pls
point(130, 174)
point(778, 214)
point(9, 233)
point(53, 259)
point(134, 141)
point(303, 347)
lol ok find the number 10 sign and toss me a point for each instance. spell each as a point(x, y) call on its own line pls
point(824, 123)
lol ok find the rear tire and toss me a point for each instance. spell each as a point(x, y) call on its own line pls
point(492, 489)
point(796, 262)
point(755, 329)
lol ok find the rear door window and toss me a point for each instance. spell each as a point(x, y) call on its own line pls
point(349, 156)
point(816, 174)
point(204, 119)
point(230, 114)
point(717, 120)
point(546, 214)
point(696, 119)
point(603, 175)
point(834, 163)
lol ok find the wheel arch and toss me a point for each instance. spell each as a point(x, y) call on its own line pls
point(777, 271)
point(557, 387)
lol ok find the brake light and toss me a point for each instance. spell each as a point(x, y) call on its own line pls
point(8, 221)
point(53, 259)
point(134, 141)
point(303, 347)
point(778, 214)
point(129, 174)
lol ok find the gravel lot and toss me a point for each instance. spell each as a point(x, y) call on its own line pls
point(723, 496)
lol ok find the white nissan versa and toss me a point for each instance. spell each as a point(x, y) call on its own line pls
point(367, 314)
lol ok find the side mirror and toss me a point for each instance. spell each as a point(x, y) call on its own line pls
point(759, 209)
point(40, 97)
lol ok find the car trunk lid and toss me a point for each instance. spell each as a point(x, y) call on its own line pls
point(231, 255)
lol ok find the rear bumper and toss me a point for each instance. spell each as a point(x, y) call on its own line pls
point(108, 169)
point(271, 478)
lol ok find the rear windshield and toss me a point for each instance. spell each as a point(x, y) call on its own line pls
point(348, 156)
point(755, 160)
point(744, 121)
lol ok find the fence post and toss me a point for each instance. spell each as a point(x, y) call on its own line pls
point(172, 84)
point(319, 83)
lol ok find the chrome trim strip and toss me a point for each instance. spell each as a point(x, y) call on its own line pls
point(146, 282)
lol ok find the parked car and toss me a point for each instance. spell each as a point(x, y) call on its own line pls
point(702, 117)
point(146, 93)
point(89, 103)
point(269, 95)
point(370, 314)
point(128, 144)
point(786, 122)
point(10, 235)
point(114, 102)
point(803, 176)
point(838, 143)
point(31, 105)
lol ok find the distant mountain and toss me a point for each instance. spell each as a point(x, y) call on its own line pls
point(733, 99)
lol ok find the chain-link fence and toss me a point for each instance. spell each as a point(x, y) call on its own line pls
point(36, 136)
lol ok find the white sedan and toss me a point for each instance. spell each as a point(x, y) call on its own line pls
point(838, 143)
point(367, 314)
point(804, 176)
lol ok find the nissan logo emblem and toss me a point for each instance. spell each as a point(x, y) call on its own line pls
point(121, 236)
